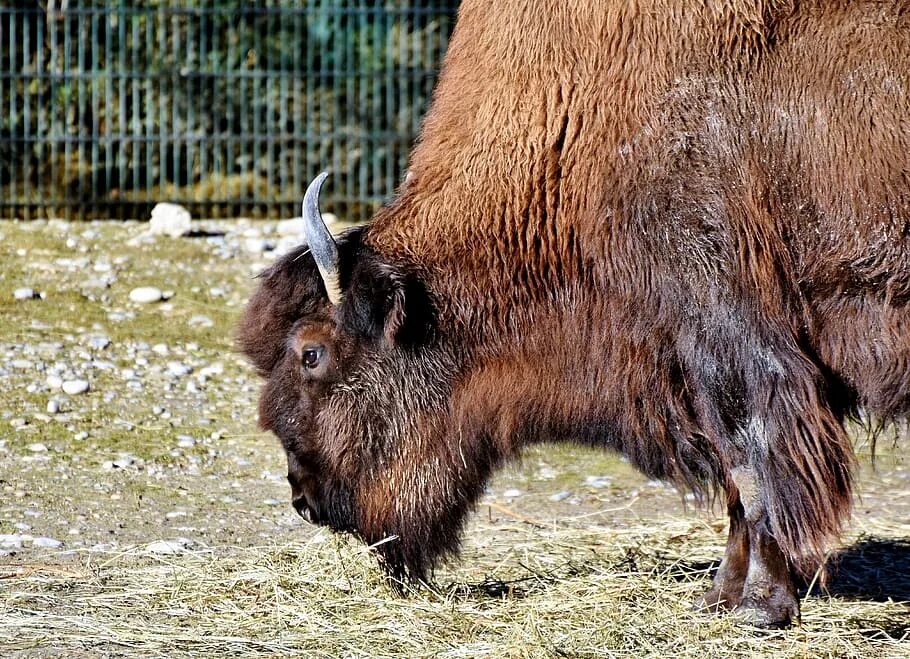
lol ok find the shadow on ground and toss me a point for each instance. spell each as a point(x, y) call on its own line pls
point(873, 568)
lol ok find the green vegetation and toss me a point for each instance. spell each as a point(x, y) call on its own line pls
point(230, 107)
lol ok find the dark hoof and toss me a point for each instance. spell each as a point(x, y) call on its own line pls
point(716, 600)
point(774, 613)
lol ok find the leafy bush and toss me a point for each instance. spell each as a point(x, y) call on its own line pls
point(106, 102)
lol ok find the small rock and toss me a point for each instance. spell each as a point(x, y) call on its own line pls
point(511, 494)
point(200, 321)
point(21, 364)
point(79, 436)
point(185, 441)
point(11, 541)
point(46, 543)
point(175, 546)
point(160, 349)
point(99, 342)
point(257, 245)
point(124, 461)
point(294, 226)
point(53, 406)
point(170, 220)
point(146, 295)
point(216, 368)
point(178, 369)
point(598, 481)
point(75, 387)
point(175, 514)
point(25, 293)
point(37, 447)
point(18, 422)
point(54, 381)
point(559, 496)
point(273, 502)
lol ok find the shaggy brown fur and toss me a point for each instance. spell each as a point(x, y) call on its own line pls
point(679, 229)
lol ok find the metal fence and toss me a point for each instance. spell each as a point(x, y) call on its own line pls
point(227, 107)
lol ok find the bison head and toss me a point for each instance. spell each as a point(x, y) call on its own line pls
point(358, 389)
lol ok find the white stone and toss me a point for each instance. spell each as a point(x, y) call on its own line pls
point(175, 546)
point(170, 220)
point(53, 406)
point(75, 387)
point(178, 369)
point(54, 381)
point(511, 494)
point(216, 368)
point(47, 543)
point(291, 227)
point(559, 496)
point(200, 321)
point(99, 341)
point(37, 447)
point(145, 295)
point(11, 541)
point(21, 364)
point(256, 245)
point(24, 293)
point(185, 441)
point(294, 226)
point(123, 461)
point(598, 481)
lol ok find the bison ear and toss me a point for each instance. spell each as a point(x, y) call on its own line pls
point(385, 305)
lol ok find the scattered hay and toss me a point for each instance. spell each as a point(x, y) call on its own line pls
point(519, 591)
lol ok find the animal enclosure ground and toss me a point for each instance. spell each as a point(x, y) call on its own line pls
point(147, 516)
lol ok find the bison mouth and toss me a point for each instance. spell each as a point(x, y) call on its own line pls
point(307, 510)
point(324, 506)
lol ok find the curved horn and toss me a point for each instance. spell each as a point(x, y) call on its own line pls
point(318, 237)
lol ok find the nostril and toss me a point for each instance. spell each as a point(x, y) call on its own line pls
point(305, 510)
point(304, 489)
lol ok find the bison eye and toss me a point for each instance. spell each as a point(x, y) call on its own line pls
point(311, 356)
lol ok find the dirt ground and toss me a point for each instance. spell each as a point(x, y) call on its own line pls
point(161, 456)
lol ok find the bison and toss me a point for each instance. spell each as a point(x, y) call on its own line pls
point(679, 230)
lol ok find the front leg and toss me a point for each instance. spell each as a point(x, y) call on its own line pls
point(730, 580)
point(769, 591)
point(754, 578)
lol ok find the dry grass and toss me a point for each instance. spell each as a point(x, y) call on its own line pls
point(519, 591)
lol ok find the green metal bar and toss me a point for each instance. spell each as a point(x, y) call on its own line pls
point(148, 132)
point(267, 93)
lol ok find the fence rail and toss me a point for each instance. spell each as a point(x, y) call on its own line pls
point(227, 107)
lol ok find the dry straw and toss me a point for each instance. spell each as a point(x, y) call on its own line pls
point(518, 591)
